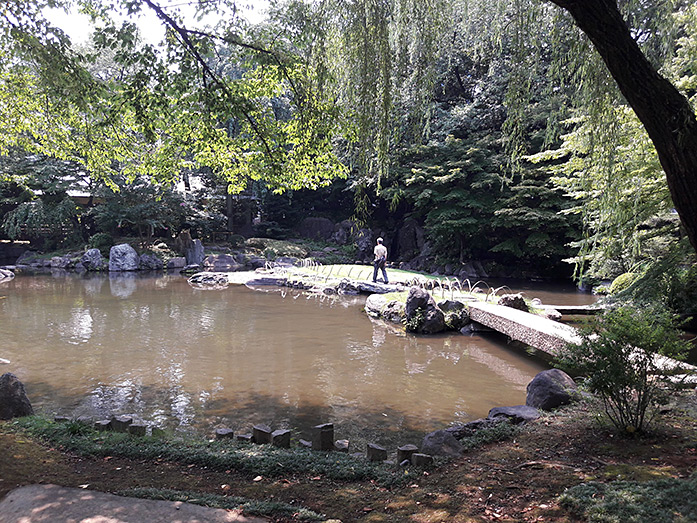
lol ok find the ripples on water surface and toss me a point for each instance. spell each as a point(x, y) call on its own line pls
point(188, 358)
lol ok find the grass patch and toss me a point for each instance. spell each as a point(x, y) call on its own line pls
point(659, 501)
point(500, 432)
point(248, 459)
point(365, 272)
point(400, 297)
point(252, 507)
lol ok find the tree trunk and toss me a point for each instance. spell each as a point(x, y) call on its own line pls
point(230, 212)
point(665, 113)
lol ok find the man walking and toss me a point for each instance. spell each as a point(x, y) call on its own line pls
point(380, 252)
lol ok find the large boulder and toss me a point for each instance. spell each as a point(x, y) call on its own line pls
point(467, 271)
point(150, 262)
point(251, 261)
point(516, 414)
point(343, 232)
point(419, 263)
point(456, 314)
point(286, 261)
point(61, 262)
point(393, 311)
point(551, 389)
point(410, 240)
point(350, 287)
point(422, 314)
point(93, 260)
point(209, 280)
point(377, 306)
point(123, 257)
point(194, 253)
point(441, 443)
point(26, 258)
point(365, 245)
point(514, 301)
point(13, 399)
point(178, 262)
point(316, 228)
point(221, 262)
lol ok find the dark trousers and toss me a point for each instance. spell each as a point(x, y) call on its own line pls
point(379, 264)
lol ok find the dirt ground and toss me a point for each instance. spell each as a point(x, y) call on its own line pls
point(517, 480)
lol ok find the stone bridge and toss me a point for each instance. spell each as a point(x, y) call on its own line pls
point(550, 336)
point(540, 333)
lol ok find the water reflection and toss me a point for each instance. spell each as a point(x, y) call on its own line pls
point(181, 357)
point(78, 328)
point(122, 284)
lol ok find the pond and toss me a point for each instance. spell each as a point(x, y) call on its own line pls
point(191, 359)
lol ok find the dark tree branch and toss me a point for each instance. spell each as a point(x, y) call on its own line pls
point(207, 72)
point(239, 43)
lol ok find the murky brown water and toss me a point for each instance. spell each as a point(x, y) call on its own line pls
point(187, 358)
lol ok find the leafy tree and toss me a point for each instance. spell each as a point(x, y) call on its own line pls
point(620, 194)
point(138, 208)
point(43, 209)
point(531, 227)
point(453, 187)
point(671, 124)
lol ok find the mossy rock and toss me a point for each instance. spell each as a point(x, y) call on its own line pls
point(622, 282)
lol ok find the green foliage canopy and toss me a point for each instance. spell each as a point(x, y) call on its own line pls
point(246, 111)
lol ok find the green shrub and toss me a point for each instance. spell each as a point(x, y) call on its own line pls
point(416, 321)
point(500, 432)
point(102, 241)
point(670, 281)
point(617, 357)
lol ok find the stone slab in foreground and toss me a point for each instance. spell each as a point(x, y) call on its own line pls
point(51, 503)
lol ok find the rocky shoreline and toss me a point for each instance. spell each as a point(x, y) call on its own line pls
point(549, 390)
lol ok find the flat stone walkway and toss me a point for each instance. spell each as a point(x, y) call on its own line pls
point(541, 333)
point(550, 336)
point(54, 504)
point(571, 310)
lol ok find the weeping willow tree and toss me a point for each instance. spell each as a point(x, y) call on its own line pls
point(623, 134)
point(603, 56)
point(380, 59)
point(608, 160)
point(663, 110)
